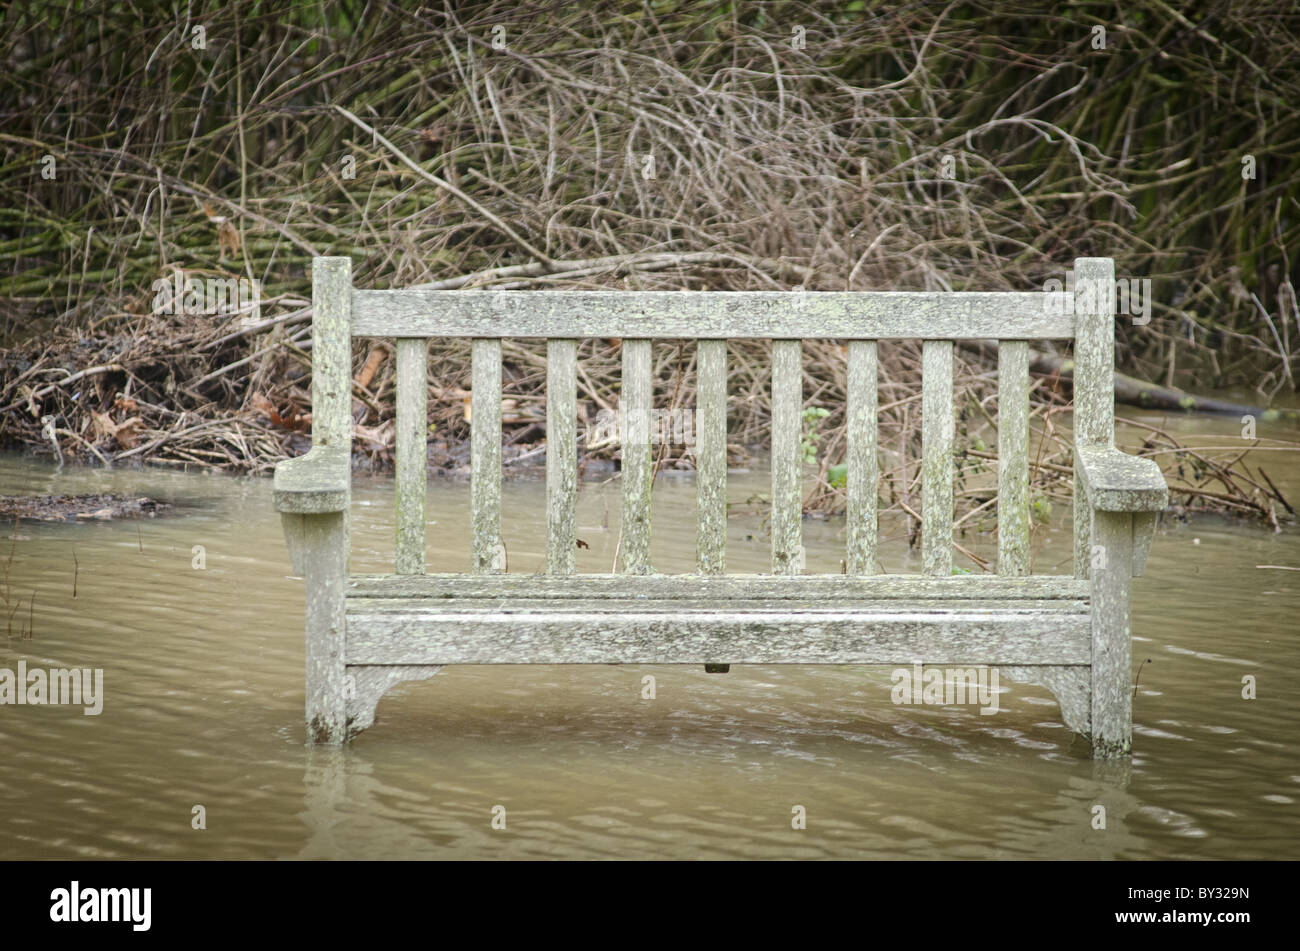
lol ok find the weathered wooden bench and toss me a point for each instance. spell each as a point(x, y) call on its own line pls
point(1069, 634)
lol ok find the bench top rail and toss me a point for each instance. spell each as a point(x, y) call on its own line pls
point(707, 315)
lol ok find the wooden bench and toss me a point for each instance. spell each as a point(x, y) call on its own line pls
point(1069, 634)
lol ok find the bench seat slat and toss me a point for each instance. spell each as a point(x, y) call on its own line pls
point(381, 632)
point(697, 587)
point(603, 607)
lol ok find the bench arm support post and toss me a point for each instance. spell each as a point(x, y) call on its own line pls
point(1111, 579)
point(1124, 494)
point(311, 485)
point(311, 494)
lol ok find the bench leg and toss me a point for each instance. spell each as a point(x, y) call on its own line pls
point(1112, 637)
point(319, 545)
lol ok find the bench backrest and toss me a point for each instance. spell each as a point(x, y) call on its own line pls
point(1014, 319)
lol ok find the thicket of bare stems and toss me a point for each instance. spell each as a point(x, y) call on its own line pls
point(667, 145)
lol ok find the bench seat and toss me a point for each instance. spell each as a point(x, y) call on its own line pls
point(667, 619)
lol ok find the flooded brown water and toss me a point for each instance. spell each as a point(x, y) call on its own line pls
point(203, 685)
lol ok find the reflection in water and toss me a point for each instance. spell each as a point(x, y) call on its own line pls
point(204, 695)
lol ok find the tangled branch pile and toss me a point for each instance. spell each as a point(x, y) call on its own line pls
point(643, 145)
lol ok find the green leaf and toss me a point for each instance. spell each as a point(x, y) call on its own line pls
point(1041, 510)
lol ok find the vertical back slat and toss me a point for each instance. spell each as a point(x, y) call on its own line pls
point(561, 455)
point(487, 554)
point(412, 475)
point(638, 462)
point(863, 473)
point(1094, 381)
point(711, 455)
point(787, 458)
point(1013, 457)
point(936, 457)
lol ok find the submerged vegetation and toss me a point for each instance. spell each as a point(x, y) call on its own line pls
point(661, 145)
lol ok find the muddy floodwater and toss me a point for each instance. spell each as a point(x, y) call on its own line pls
point(197, 626)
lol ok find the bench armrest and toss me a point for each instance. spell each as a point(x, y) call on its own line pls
point(314, 484)
point(1118, 482)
